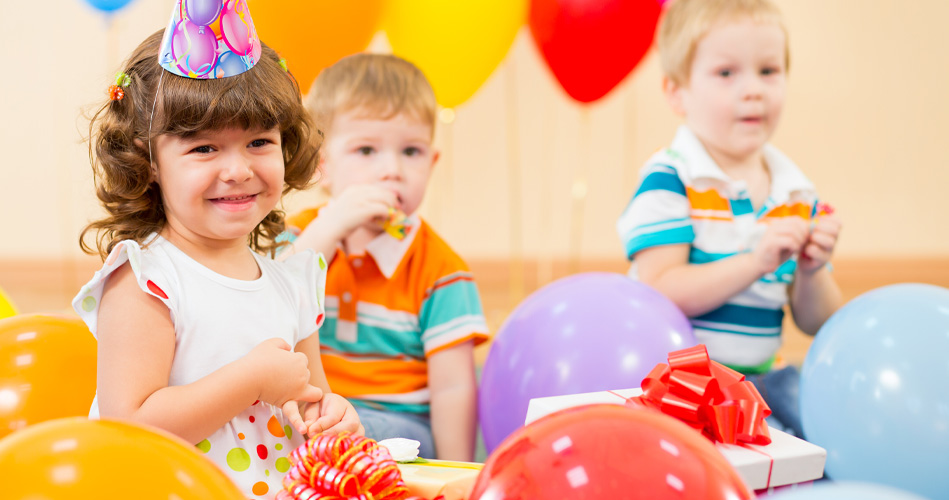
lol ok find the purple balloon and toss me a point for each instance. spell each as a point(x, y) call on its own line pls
point(584, 333)
point(203, 12)
point(194, 48)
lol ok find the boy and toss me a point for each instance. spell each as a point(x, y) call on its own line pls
point(723, 223)
point(403, 313)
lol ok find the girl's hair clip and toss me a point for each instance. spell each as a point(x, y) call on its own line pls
point(117, 90)
point(283, 64)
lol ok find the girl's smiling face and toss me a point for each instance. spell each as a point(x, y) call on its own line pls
point(217, 185)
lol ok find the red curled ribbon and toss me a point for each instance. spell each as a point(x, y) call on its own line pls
point(342, 467)
point(707, 396)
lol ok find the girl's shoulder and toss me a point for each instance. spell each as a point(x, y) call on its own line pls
point(149, 263)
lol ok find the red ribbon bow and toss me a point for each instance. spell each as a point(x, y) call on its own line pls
point(707, 396)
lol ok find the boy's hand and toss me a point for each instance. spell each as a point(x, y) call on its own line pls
point(820, 246)
point(358, 205)
point(333, 414)
point(283, 375)
point(782, 239)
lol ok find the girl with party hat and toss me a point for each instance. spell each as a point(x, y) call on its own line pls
point(198, 332)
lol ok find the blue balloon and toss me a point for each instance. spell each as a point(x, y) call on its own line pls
point(108, 5)
point(229, 64)
point(845, 490)
point(875, 389)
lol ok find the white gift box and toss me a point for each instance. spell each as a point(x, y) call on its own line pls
point(787, 460)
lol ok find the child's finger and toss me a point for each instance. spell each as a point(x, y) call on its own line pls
point(824, 240)
point(310, 394)
point(291, 410)
point(815, 252)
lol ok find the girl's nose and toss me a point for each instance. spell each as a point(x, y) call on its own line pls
point(236, 168)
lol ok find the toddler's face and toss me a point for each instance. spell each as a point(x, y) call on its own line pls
point(736, 88)
point(218, 185)
point(396, 154)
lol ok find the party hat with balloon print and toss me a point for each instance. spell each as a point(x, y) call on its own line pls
point(210, 39)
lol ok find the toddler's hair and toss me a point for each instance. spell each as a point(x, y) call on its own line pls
point(263, 97)
point(686, 22)
point(382, 85)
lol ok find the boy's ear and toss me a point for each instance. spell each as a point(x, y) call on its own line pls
point(673, 94)
point(324, 173)
point(435, 157)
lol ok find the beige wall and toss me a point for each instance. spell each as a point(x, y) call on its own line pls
point(868, 110)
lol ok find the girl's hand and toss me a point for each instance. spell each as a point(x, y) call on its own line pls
point(357, 206)
point(283, 375)
point(333, 414)
point(820, 246)
point(292, 409)
point(782, 239)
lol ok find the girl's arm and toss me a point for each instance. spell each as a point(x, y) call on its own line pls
point(699, 288)
point(451, 381)
point(136, 346)
point(333, 413)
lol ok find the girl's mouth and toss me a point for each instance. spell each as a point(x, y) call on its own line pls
point(235, 203)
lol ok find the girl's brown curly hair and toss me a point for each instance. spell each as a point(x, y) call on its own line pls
point(264, 97)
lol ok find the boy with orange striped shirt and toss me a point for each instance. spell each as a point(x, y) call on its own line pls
point(723, 223)
point(403, 312)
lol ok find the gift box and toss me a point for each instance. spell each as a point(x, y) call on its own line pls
point(786, 460)
point(433, 478)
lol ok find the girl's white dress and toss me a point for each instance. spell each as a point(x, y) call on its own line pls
point(219, 320)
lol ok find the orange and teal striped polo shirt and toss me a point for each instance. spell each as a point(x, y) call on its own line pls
point(391, 308)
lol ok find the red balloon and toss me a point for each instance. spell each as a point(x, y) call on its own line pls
point(608, 451)
point(591, 45)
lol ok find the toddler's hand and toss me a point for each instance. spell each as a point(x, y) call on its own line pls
point(358, 205)
point(820, 246)
point(291, 409)
point(782, 239)
point(282, 374)
point(333, 414)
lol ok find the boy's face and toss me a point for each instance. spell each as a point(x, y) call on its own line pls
point(396, 153)
point(736, 88)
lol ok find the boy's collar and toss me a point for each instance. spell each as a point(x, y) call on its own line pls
point(388, 252)
point(785, 174)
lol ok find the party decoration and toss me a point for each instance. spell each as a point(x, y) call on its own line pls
point(708, 396)
point(845, 490)
point(81, 458)
point(314, 34)
point(342, 466)
point(108, 6)
point(7, 308)
point(396, 224)
point(457, 44)
point(47, 370)
point(584, 333)
point(210, 39)
point(591, 45)
point(608, 451)
point(873, 389)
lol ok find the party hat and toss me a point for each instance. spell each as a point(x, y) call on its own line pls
point(209, 39)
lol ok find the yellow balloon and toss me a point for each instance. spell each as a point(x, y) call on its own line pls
point(456, 43)
point(76, 457)
point(7, 308)
point(47, 370)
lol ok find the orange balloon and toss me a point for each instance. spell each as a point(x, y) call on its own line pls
point(314, 34)
point(47, 370)
point(81, 458)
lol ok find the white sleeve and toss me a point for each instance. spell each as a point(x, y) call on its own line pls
point(310, 269)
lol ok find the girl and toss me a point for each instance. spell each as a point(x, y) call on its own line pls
point(199, 334)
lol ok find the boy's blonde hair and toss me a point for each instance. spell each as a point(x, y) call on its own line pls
point(686, 22)
point(382, 85)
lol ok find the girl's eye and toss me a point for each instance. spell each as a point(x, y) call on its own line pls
point(202, 149)
point(259, 143)
point(412, 151)
point(365, 150)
